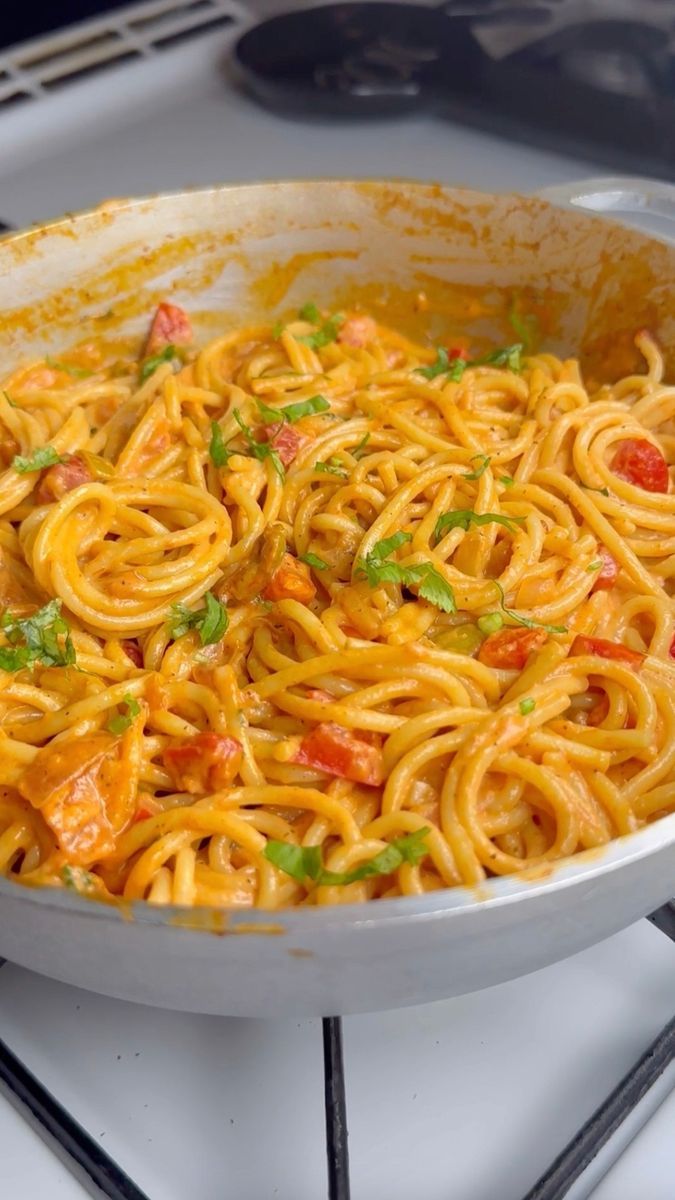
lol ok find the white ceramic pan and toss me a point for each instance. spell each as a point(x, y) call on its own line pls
point(239, 251)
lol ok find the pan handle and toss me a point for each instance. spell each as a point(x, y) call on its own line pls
point(644, 197)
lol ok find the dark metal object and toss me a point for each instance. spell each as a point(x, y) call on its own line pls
point(86, 1161)
point(550, 72)
point(664, 919)
point(336, 1110)
point(568, 1166)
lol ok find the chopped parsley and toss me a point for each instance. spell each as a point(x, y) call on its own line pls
point(122, 721)
point(526, 621)
point(259, 450)
point(218, 451)
point(332, 466)
point(602, 491)
point(150, 365)
point(46, 456)
point(304, 862)
point(444, 365)
point(310, 312)
point(525, 325)
point(211, 621)
point(78, 879)
point(360, 447)
point(313, 560)
point(490, 622)
point(527, 705)
point(277, 330)
point(461, 518)
point(483, 461)
point(293, 412)
point(454, 368)
point(75, 372)
point(43, 638)
point(324, 335)
point(431, 585)
point(595, 566)
point(506, 480)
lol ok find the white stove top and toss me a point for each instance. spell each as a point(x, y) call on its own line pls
point(471, 1098)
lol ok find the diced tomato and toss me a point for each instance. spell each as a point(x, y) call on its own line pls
point(357, 331)
point(642, 464)
point(337, 751)
point(206, 763)
point(458, 352)
point(291, 581)
point(286, 441)
point(134, 652)
point(509, 649)
point(77, 785)
point(170, 327)
point(62, 478)
point(147, 807)
point(600, 710)
point(606, 649)
point(672, 648)
point(605, 578)
point(8, 447)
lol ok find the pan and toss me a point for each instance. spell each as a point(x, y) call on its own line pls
point(232, 253)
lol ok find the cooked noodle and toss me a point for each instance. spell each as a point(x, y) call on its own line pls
point(450, 752)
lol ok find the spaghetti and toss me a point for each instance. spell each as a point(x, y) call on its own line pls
point(318, 615)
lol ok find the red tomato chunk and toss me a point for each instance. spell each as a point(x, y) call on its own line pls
point(603, 648)
point(642, 464)
point(62, 478)
point(286, 441)
point(337, 751)
point(357, 331)
point(170, 327)
point(206, 763)
point(510, 649)
point(606, 576)
point(291, 581)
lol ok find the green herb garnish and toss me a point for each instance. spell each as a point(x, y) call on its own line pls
point(596, 565)
point(505, 356)
point(602, 491)
point(431, 584)
point(313, 560)
point(483, 461)
point(527, 706)
point(8, 398)
point(490, 622)
point(323, 336)
point(444, 365)
point(259, 450)
point(506, 480)
point(211, 621)
point(122, 721)
point(310, 312)
point(75, 372)
point(293, 412)
point(36, 639)
point(358, 449)
point(277, 330)
point(461, 518)
point(525, 325)
point(332, 466)
point(218, 451)
point(150, 365)
point(46, 456)
point(78, 879)
point(304, 862)
point(526, 621)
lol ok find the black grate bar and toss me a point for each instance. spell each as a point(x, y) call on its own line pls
point(86, 1161)
point(336, 1110)
point(664, 919)
point(569, 1165)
